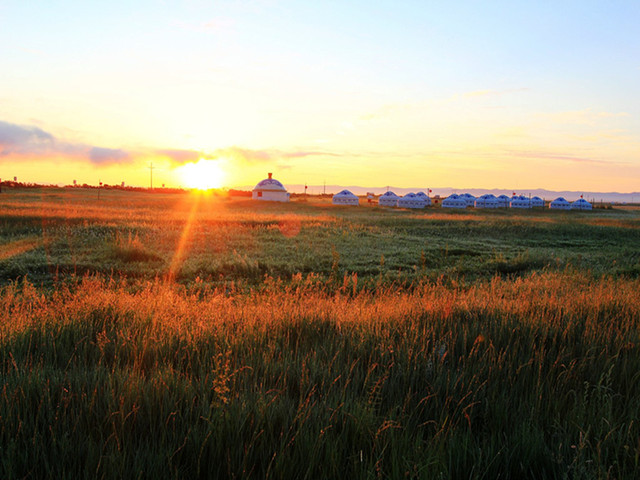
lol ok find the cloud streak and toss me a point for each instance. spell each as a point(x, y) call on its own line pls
point(265, 156)
point(28, 141)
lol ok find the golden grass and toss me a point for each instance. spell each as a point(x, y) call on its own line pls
point(19, 247)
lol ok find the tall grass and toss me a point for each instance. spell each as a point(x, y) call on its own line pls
point(530, 377)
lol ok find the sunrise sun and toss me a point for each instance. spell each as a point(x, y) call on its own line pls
point(203, 174)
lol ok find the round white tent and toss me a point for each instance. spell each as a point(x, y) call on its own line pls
point(388, 199)
point(560, 204)
point(487, 201)
point(581, 204)
point(470, 199)
point(345, 197)
point(425, 198)
point(537, 202)
point(454, 201)
point(520, 202)
point(503, 201)
point(411, 200)
point(270, 190)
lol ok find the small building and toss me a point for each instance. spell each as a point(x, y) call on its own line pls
point(470, 199)
point(504, 201)
point(388, 199)
point(345, 197)
point(487, 201)
point(581, 204)
point(560, 204)
point(425, 198)
point(537, 202)
point(520, 202)
point(454, 201)
point(270, 190)
point(411, 200)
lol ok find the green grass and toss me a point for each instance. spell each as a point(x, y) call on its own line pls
point(306, 341)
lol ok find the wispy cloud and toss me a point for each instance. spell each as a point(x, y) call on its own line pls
point(580, 117)
point(101, 155)
point(26, 141)
point(180, 156)
point(532, 154)
point(265, 156)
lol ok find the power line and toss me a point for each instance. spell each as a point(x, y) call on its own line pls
point(151, 175)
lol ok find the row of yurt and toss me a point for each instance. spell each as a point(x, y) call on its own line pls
point(272, 190)
point(487, 201)
point(410, 200)
point(454, 201)
point(561, 203)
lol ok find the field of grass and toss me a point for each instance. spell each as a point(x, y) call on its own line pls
point(193, 336)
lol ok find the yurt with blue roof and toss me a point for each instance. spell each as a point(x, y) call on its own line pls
point(270, 190)
point(560, 203)
point(345, 197)
point(581, 204)
point(410, 200)
point(454, 201)
point(388, 199)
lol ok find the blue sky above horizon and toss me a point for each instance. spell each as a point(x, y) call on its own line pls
point(502, 94)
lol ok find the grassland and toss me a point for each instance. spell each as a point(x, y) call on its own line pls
point(192, 336)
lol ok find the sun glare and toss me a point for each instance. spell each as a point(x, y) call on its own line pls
point(203, 174)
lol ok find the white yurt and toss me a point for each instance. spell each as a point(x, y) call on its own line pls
point(520, 202)
point(270, 190)
point(560, 204)
point(537, 202)
point(454, 201)
point(388, 199)
point(470, 199)
point(487, 201)
point(425, 198)
point(503, 201)
point(345, 197)
point(581, 204)
point(411, 200)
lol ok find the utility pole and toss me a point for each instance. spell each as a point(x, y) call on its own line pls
point(151, 175)
point(324, 189)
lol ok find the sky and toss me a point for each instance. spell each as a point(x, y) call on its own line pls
point(479, 94)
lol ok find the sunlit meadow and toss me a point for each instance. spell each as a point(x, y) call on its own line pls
point(200, 336)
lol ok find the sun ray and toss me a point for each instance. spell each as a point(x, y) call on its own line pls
point(179, 254)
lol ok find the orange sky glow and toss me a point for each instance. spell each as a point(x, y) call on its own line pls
point(420, 95)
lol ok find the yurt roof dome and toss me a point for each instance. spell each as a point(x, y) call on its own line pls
point(388, 194)
point(270, 184)
point(344, 193)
